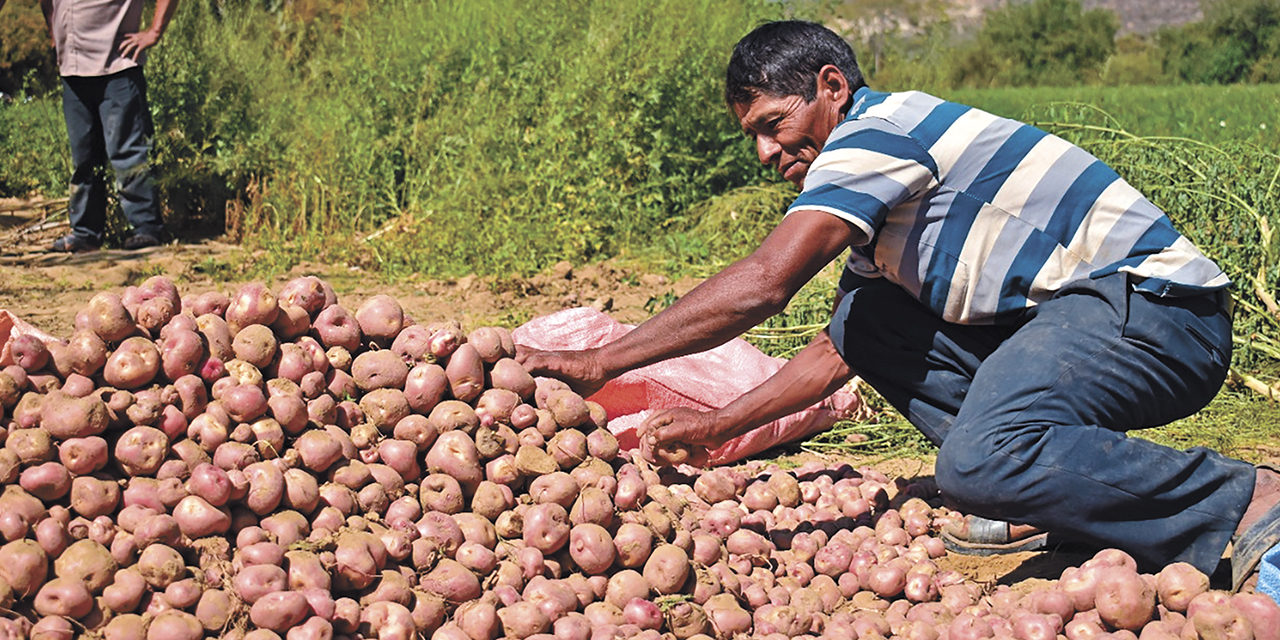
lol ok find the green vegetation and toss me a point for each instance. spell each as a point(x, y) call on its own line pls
point(1215, 115)
point(1046, 42)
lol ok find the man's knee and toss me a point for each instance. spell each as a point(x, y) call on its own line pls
point(976, 474)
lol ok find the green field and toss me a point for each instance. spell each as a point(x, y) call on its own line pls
point(1211, 114)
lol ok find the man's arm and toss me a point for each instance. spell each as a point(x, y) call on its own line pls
point(135, 43)
point(46, 7)
point(724, 306)
point(813, 374)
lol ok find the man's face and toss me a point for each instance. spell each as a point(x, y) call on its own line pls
point(789, 132)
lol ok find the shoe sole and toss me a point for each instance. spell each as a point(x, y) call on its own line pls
point(1035, 542)
point(1248, 548)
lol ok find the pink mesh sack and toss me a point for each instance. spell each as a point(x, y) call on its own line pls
point(705, 380)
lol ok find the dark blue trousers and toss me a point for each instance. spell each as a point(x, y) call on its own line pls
point(1031, 418)
point(108, 121)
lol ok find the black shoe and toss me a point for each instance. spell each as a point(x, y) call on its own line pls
point(141, 241)
point(73, 243)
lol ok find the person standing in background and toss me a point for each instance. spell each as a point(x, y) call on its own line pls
point(101, 50)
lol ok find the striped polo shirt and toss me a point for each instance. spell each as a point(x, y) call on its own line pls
point(981, 217)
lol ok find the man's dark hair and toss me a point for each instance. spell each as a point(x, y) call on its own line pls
point(783, 59)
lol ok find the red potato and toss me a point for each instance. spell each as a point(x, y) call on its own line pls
point(125, 592)
point(64, 416)
point(280, 611)
point(305, 292)
point(52, 537)
point(264, 552)
point(667, 569)
point(31, 445)
point(454, 453)
point(380, 319)
point(197, 518)
point(445, 338)
point(63, 597)
point(1178, 584)
point(141, 450)
point(465, 372)
point(49, 481)
point(26, 414)
point(133, 364)
point(558, 487)
point(593, 506)
point(293, 362)
point(337, 327)
point(291, 322)
point(108, 317)
point(567, 408)
point(591, 548)
point(412, 344)
point(450, 415)
point(546, 527)
point(510, 375)
point(523, 619)
point(318, 450)
point(253, 303)
point(452, 582)
point(1262, 613)
point(1124, 599)
point(211, 302)
point(181, 352)
point(383, 408)
point(338, 358)
point(379, 370)
point(24, 566)
point(307, 571)
point(255, 344)
point(568, 448)
point(28, 352)
point(52, 628)
point(425, 386)
point(497, 404)
point(644, 614)
point(92, 497)
point(1218, 622)
point(254, 582)
point(160, 565)
point(89, 562)
point(489, 344)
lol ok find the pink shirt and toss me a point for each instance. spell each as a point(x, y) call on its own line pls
point(88, 33)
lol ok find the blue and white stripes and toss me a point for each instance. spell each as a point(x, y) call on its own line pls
point(981, 217)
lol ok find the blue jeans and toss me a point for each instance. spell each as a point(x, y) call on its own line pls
point(108, 121)
point(1030, 418)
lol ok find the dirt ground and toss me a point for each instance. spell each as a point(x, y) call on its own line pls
point(47, 289)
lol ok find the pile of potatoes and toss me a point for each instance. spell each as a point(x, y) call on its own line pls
point(274, 465)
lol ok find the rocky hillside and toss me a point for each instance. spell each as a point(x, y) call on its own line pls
point(1136, 16)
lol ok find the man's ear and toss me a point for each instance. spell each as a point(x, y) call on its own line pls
point(832, 82)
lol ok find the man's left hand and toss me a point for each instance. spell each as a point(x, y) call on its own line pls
point(679, 432)
point(135, 43)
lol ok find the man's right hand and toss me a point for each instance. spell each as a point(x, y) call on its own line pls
point(579, 369)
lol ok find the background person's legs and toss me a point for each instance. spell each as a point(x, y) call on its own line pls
point(87, 208)
point(126, 123)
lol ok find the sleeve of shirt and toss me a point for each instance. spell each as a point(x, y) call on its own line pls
point(867, 168)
